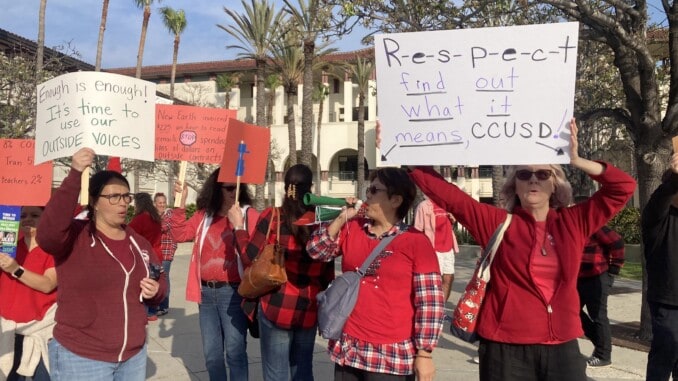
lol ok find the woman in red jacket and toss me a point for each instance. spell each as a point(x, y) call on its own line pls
point(529, 322)
point(27, 301)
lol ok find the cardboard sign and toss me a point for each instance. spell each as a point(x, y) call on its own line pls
point(22, 182)
point(257, 142)
point(477, 96)
point(10, 217)
point(110, 113)
point(195, 134)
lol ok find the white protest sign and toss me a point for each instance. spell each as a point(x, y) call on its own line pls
point(477, 96)
point(110, 113)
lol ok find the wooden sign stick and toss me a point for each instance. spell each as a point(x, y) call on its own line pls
point(84, 187)
point(182, 178)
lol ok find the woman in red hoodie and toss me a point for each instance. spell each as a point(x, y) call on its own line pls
point(105, 279)
point(529, 322)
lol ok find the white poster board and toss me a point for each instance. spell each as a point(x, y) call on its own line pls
point(110, 113)
point(477, 96)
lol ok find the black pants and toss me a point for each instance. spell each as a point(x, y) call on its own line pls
point(347, 373)
point(531, 362)
point(662, 361)
point(41, 373)
point(593, 293)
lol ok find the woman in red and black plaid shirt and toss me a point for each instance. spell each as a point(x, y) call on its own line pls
point(398, 316)
point(287, 315)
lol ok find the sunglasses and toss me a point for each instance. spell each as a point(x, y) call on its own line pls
point(228, 188)
point(373, 190)
point(541, 174)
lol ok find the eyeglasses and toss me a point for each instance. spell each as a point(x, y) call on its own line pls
point(114, 198)
point(373, 190)
point(228, 188)
point(541, 174)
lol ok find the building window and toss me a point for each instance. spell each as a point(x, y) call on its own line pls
point(348, 167)
point(336, 86)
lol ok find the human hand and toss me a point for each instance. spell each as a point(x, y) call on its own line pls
point(574, 141)
point(8, 264)
point(424, 368)
point(82, 159)
point(235, 216)
point(180, 187)
point(149, 288)
point(377, 131)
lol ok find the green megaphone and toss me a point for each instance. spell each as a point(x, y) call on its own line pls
point(311, 199)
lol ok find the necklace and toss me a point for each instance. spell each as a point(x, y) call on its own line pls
point(548, 237)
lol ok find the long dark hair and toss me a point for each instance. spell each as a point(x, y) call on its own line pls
point(298, 182)
point(144, 203)
point(211, 196)
point(96, 186)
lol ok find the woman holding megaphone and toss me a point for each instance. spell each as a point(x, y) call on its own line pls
point(288, 314)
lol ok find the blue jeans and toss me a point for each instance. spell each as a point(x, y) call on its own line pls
point(286, 352)
point(223, 326)
point(67, 366)
point(166, 265)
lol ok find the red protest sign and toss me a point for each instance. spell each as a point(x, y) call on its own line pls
point(257, 142)
point(22, 182)
point(195, 134)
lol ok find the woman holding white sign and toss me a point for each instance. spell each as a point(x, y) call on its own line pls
point(105, 279)
point(529, 322)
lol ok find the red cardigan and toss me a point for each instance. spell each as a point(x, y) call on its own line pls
point(514, 310)
point(144, 225)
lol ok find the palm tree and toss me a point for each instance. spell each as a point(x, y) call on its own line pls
point(310, 19)
point(227, 81)
point(175, 22)
point(272, 83)
point(362, 72)
point(146, 6)
point(319, 94)
point(255, 29)
point(102, 29)
point(40, 53)
point(288, 62)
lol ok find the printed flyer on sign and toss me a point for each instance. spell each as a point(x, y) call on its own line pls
point(9, 228)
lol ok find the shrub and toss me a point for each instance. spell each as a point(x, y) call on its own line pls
point(190, 210)
point(463, 236)
point(627, 224)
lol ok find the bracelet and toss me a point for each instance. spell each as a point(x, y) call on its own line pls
point(422, 356)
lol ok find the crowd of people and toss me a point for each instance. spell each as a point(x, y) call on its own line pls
point(76, 298)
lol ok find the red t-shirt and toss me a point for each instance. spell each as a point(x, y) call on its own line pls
point(443, 237)
point(149, 229)
point(19, 302)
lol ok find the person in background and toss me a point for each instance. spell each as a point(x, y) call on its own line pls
point(529, 322)
point(167, 245)
point(398, 316)
point(287, 315)
point(107, 275)
point(27, 304)
point(659, 225)
point(213, 275)
point(603, 258)
point(147, 223)
point(436, 223)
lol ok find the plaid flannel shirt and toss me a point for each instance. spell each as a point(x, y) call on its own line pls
point(390, 358)
point(294, 304)
point(604, 251)
point(167, 244)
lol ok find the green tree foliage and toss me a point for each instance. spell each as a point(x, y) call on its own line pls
point(627, 224)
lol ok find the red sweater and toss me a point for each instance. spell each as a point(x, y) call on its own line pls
point(100, 316)
point(19, 302)
point(514, 310)
point(144, 225)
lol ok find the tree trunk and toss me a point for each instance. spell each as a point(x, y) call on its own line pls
point(142, 40)
point(307, 104)
point(175, 55)
point(497, 183)
point(102, 29)
point(291, 129)
point(361, 145)
point(261, 121)
point(39, 55)
point(317, 159)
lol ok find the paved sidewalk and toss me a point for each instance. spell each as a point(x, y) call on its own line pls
point(175, 349)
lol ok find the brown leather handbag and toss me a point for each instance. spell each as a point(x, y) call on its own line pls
point(267, 270)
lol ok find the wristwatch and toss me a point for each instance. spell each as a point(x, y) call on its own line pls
point(18, 272)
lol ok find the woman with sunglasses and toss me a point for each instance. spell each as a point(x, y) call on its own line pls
point(288, 314)
point(103, 267)
point(529, 322)
point(398, 316)
point(213, 274)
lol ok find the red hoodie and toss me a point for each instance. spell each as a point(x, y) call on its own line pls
point(514, 310)
point(100, 315)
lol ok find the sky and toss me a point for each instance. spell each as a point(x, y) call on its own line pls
point(77, 22)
